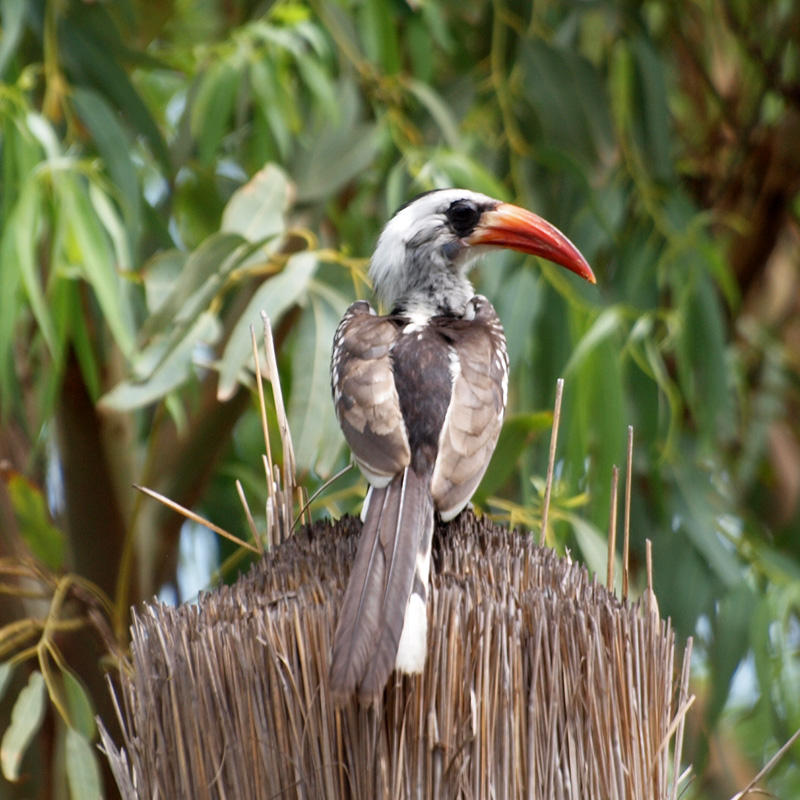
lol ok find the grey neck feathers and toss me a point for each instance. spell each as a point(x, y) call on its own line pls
point(425, 283)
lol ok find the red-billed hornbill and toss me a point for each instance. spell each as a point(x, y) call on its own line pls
point(420, 395)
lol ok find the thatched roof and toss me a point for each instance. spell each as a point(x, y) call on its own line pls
point(539, 683)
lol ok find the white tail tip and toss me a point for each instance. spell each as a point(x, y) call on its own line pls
point(413, 646)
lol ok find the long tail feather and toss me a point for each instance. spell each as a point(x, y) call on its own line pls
point(399, 521)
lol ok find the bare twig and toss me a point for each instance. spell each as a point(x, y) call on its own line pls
point(768, 766)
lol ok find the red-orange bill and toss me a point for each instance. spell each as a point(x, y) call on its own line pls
point(518, 229)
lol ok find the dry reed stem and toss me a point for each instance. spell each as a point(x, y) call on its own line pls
point(539, 683)
point(551, 459)
point(286, 507)
point(612, 530)
point(251, 523)
point(626, 529)
point(194, 517)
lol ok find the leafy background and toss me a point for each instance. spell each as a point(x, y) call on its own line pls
point(170, 168)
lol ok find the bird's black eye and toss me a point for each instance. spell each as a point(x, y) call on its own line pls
point(463, 216)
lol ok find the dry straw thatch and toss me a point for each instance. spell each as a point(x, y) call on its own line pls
point(539, 684)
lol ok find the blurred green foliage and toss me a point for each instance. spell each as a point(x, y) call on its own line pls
point(170, 169)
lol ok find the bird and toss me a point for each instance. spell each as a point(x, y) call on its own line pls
point(420, 395)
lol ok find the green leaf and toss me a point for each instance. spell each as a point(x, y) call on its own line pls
point(79, 706)
point(702, 358)
point(595, 407)
point(112, 143)
point(592, 542)
point(653, 118)
point(35, 526)
point(379, 34)
point(6, 670)
point(311, 417)
point(13, 15)
point(201, 266)
point(212, 108)
point(198, 282)
point(567, 96)
point(92, 50)
point(23, 232)
point(88, 249)
point(338, 154)
point(730, 644)
point(171, 370)
point(516, 435)
point(321, 86)
point(257, 210)
point(268, 94)
point(695, 509)
point(68, 303)
point(606, 325)
point(462, 170)
point(159, 276)
point(114, 226)
point(275, 296)
point(83, 768)
point(10, 306)
point(438, 110)
point(621, 78)
point(26, 717)
point(519, 301)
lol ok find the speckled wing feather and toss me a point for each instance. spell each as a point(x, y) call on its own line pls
point(475, 415)
point(365, 395)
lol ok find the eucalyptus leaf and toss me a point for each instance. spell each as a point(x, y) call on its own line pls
point(257, 210)
point(159, 276)
point(113, 144)
point(318, 80)
point(310, 408)
point(274, 296)
point(79, 706)
point(10, 308)
point(26, 717)
point(696, 511)
point(517, 433)
point(591, 541)
point(22, 231)
point(89, 250)
point(380, 39)
point(173, 369)
point(93, 51)
point(13, 16)
point(83, 768)
point(337, 156)
point(566, 93)
point(6, 670)
point(212, 107)
point(438, 110)
point(267, 92)
point(606, 325)
point(199, 280)
point(653, 117)
point(730, 643)
point(35, 526)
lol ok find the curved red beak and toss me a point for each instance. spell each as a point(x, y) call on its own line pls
point(518, 229)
